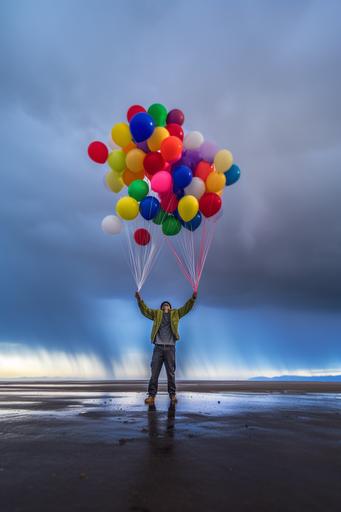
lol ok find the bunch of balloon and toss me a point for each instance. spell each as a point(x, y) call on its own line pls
point(173, 183)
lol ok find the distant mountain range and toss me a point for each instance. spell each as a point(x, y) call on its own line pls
point(316, 378)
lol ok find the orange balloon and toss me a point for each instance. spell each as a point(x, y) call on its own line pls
point(129, 176)
point(130, 146)
point(203, 169)
point(171, 148)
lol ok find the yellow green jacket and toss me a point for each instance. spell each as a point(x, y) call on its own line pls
point(156, 316)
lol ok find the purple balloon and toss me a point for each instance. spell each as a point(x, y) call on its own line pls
point(191, 157)
point(143, 145)
point(184, 161)
point(208, 151)
point(175, 116)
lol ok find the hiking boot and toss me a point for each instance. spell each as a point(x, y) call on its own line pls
point(150, 400)
point(173, 398)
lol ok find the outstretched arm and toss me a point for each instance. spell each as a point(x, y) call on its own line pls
point(145, 310)
point(186, 308)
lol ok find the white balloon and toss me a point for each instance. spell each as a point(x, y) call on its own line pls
point(147, 180)
point(196, 188)
point(111, 225)
point(193, 140)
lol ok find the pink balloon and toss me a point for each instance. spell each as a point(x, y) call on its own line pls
point(161, 182)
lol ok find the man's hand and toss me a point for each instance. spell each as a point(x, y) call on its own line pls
point(194, 296)
point(137, 295)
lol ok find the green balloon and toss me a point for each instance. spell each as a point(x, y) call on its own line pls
point(138, 189)
point(160, 217)
point(158, 113)
point(171, 226)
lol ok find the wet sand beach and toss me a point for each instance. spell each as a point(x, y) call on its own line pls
point(86, 446)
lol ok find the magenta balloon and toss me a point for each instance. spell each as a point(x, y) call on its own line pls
point(208, 151)
point(161, 182)
point(175, 116)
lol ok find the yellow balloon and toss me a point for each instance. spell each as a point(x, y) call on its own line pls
point(120, 134)
point(127, 208)
point(223, 160)
point(114, 182)
point(117, 160)
point(159, 134)
point(134, 160)
point(188, 207)
point(215, 181)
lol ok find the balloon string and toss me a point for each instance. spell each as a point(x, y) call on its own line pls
point(207, 246)
point(142, 258)
point(203, 249)
point(181, 252)
point(182, 266)
point(152, 250)
point(131, 255)
point(187, 251)
point(191, 249)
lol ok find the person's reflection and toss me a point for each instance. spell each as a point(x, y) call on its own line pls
point(161, 434)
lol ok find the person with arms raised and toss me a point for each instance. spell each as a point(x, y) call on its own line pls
point(164, 335)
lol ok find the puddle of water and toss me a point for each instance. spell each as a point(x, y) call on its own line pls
point(204, 404)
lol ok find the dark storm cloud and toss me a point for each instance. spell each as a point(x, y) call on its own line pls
point(262, 79)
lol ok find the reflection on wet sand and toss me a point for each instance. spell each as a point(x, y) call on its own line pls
point(156, 471)
point(159, 429)
point(94, 448)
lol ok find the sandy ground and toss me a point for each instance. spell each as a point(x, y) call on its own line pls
point(225, 446)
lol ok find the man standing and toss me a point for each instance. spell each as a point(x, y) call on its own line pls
point(164, 336)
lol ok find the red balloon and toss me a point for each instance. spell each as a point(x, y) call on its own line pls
point(203, 169)
point(209, 204)
point(169, 202)
point(98, 152)
point(175, 116)
point(153, 162)
point(149, 176)
point(171, 148)
point(133, 110)
point(142, 236)
point(176, 130)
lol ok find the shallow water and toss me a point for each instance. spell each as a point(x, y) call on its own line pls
point(91, 446)
point(124, 414)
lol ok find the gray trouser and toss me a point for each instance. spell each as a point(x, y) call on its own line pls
point(162, 354)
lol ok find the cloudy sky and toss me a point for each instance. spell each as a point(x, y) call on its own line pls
point(260, 78)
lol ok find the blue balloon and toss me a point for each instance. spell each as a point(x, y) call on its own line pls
point(232, 175)
point(179, 192)
point(182, 176)
point(193, 224)
point(149, 206)
point(141, 126)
